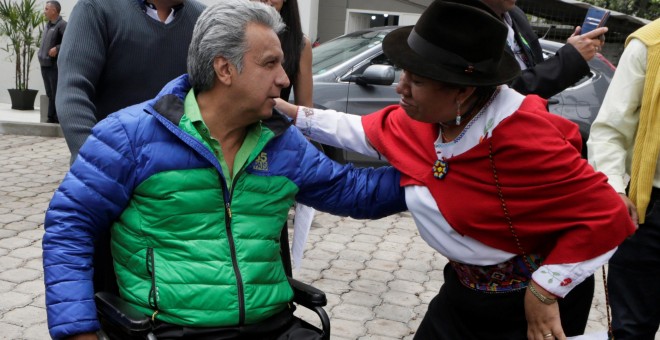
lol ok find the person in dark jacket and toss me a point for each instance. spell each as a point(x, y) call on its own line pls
point(545, 78)
point(194, 187)
point(50, 48)
point(119, 53)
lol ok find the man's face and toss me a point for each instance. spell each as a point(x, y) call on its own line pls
point(49, 12)
point(500, 6)
point(263, 77)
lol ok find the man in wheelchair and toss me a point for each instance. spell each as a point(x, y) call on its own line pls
point(194, 187)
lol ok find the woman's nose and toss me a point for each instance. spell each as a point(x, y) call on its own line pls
point(402, 86)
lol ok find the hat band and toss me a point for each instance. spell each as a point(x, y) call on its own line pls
point(424, 48)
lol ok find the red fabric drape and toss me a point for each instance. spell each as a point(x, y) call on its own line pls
point(559, 206)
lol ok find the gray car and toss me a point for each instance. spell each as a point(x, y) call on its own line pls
point(351, 74)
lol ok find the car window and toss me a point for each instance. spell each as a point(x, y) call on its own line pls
point(337, 51)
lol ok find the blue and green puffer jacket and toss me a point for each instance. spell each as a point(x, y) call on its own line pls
point(186, 248)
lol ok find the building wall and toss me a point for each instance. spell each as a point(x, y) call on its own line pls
point(309, 14)
point(333, 20)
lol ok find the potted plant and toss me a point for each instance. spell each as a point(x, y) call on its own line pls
point(21, 24)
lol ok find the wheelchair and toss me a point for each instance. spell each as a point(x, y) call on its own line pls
point(121, 321)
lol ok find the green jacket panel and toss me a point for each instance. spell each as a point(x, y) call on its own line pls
point(181, 265)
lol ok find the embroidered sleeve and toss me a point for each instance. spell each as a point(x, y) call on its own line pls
point(341, 130)
point(560, 279)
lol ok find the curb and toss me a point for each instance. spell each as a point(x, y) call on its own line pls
point(30, 129)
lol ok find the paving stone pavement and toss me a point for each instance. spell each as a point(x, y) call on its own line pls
point(378, 275)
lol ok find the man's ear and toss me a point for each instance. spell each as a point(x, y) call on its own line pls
point(223, 70)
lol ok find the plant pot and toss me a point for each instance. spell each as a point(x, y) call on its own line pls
point(22, 99)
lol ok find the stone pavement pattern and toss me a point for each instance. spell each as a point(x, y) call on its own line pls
point(378, 275)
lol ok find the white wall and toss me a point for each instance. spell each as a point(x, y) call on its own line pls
point(309, 14)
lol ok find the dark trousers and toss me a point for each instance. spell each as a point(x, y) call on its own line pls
point(458, 312)
point(634, 279)
point(49, 73)
point(282, 326)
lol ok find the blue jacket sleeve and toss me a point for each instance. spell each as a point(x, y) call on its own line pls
point(92, 195)
point(344, 189)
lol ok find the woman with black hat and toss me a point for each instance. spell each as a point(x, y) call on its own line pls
point(494, 182)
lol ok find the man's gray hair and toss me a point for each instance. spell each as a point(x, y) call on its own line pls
point(220, 31)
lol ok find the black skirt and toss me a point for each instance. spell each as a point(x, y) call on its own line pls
point(459, 312)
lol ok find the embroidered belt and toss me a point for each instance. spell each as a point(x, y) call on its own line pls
point(499, 278)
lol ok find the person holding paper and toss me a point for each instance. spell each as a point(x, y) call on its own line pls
point(494, 182)
point(542, 77)
point(624, 144)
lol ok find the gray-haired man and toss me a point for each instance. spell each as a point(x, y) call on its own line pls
point(195, 186)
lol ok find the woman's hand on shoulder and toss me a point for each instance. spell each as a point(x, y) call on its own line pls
point(286, 108)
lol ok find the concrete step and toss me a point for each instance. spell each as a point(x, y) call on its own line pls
point(26, 122)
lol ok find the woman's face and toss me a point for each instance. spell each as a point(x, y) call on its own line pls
point(427, 100)
point(275, 3)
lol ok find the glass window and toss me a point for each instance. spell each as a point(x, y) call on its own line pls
point(338, 51)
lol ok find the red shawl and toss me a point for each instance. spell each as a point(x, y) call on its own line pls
point(559, 206)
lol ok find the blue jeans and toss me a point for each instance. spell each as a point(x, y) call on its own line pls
point(634, 279)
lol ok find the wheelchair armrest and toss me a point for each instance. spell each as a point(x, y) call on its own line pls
point(314, 299)
point(120, 314)
point(307, 295)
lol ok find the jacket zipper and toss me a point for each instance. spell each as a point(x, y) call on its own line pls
point(153, 291)
point(232, 248)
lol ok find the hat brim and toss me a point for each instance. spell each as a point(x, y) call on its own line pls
point(396, 48)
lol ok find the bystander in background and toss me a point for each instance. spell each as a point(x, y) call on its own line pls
point(119, 53)
point(48, 52)
point(544, 77)
point(624, 144)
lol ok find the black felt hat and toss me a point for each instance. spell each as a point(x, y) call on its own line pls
point(456, 42)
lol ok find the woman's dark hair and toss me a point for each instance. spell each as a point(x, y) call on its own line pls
point(291, 39)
